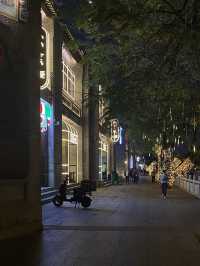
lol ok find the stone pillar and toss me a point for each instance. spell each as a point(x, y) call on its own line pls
point(85, 123)
point(20, 125)
point(57, 100)
point(94, 134)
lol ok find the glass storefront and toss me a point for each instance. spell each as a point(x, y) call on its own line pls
point(69, 152)
point(47, 147)
point(103, 159)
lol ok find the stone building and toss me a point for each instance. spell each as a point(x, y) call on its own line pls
point(64, 114)
point(47, 76)
point(48, 130)
point(19, 105)
point(72, 111)
point(105, 145)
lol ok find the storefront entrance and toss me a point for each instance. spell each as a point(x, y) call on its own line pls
point(69, 152)
point(47, 144)
point(103, 159)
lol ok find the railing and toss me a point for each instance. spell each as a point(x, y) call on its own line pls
point(75, 108)
point(190, 185)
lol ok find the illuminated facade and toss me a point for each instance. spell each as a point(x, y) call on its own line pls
point(46, 100)
point(70, 156)
point(104, 154)
point(72, 132)
point(63, 140)
point(104, 157)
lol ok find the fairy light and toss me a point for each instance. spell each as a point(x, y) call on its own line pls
point(194, 148)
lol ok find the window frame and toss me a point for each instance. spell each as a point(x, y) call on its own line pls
point(68, 77)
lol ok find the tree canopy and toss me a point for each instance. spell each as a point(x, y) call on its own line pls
point(146, 56)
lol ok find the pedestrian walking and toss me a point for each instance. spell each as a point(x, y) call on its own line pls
point(131, 171)
point(115, 177)
point(164, 183)
point(135, 176)
point(126, 175)
point(153, 176)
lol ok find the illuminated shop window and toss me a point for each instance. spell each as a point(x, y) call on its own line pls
point(45, 115)
point(69, 153)
point(68, 81)
point(103, 160)
point(46, 140)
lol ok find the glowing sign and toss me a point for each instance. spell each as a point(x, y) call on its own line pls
point(115, 130)
point(9, 8)
point(43, 59)
point(45, 115)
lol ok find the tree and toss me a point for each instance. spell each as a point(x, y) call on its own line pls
point(145, 53)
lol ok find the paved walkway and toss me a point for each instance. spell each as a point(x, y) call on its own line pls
point(127, 225)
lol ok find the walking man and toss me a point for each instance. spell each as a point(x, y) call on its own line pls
point(164, 181)
point(126, 175)
point(153, 176)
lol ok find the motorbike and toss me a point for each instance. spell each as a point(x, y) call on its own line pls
point(81, 195)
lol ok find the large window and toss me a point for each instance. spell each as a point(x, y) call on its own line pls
point(69, 153)
point(103, 160)
point(47, 144)
point(68, 81)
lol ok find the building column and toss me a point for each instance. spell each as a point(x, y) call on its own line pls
point(57, 100)
point(93, 134)
point(85, 124)
point(20, 125)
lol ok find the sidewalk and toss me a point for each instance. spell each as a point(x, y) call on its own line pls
point(126, 225)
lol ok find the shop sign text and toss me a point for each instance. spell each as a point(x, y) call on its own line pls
point(43, 59)
point(115, 130)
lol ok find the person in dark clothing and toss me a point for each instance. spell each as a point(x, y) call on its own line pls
point(153, 176)
point(135, 176)
point(126, 175)
point(164, 183)
point(131, 175)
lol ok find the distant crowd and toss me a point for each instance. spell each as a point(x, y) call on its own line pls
point(133, 176)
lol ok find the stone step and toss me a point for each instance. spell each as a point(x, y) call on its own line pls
point(46, 189)
point(49, 193)
point(46, 200)
point(107, 184)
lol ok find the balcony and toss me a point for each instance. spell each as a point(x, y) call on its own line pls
point(70, 104)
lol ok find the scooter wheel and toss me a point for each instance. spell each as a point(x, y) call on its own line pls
point(86, 201)
point(57, 201)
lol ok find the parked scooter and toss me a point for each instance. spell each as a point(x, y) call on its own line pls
point(80, 195)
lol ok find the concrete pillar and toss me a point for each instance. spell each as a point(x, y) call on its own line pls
point(93, 134)
point(20, 125)
point(85, 124)
point(57, 100)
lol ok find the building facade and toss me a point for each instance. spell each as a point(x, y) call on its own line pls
point(72, 127)
point(20, 130)
point(49, 131)
point(62, 111)
point(47, 125)
point(105, 144)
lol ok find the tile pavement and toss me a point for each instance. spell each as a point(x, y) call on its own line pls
point(127, 225)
